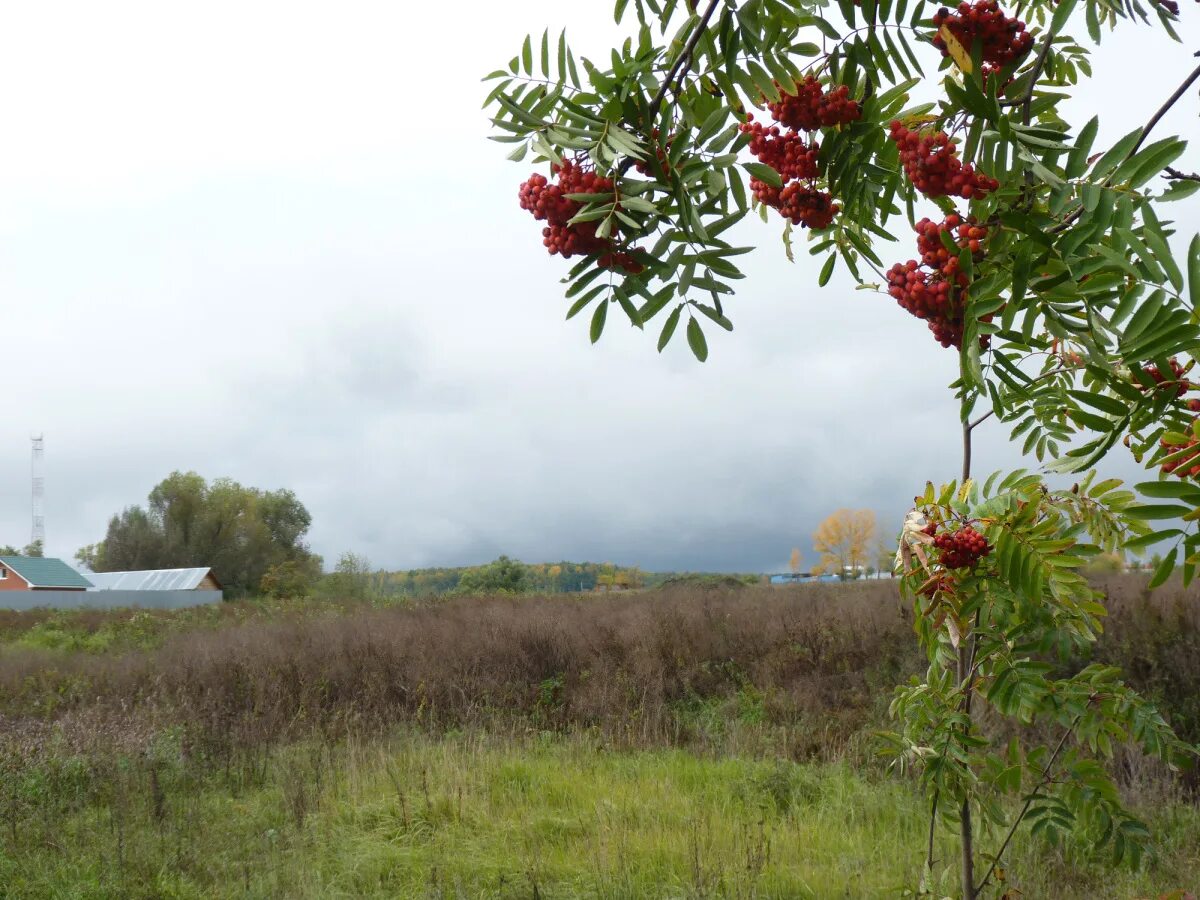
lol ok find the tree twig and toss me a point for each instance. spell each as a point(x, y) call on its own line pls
point(966, 452)
point(1164, 109)
point(1034, 74)
point(965, 829)
point(981, 419)
point(1154, 120)
point(1176, 175)
point(1026, 105)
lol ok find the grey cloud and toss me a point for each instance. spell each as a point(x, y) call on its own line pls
point(343, 298)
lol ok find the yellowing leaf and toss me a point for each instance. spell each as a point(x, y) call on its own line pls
point(964, 490)
point(955, 632)
point(957, 52)
point(914, 122)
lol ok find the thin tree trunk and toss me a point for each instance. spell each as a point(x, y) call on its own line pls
point(964, 670)
point(965, 830)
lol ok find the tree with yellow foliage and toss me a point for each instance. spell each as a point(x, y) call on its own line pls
point(795, 561)
point(843, 541)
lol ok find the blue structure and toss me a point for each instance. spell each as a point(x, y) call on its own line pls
point(800, 578)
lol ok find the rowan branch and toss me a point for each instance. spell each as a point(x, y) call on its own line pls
point(1045, 779)
point(679, 68)
point(1026, 103)
point(1050, 373)
point(932, 823)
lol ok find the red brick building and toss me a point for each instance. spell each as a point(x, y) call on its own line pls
point(36, 573)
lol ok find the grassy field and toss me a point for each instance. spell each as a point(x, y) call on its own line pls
point(483, 816)
point(686, 744)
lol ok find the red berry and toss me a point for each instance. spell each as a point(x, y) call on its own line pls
point(1177, 381)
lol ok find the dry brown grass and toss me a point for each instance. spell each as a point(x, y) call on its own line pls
point(815, 662)
point(625, 664)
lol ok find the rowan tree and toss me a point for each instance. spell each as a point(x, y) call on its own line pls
point(843, 541)
point(1043, 259)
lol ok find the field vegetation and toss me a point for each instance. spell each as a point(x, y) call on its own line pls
point(677, 742)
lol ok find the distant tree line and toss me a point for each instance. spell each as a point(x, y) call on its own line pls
point(353, 578)
point(254, 540)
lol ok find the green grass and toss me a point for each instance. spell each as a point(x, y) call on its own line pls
point(93, 631)
point(475, 816)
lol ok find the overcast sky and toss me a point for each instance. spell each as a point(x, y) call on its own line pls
point(271, 242)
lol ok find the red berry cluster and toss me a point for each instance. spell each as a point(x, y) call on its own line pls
point(796, 161)
point(931, 162)
point(942, 582)
point(660, 154)
point(928, 298)
point(988, 71)
point(1176, 379)
point(795, 158)
point(1187, 466)
point(937, 293)
point(549, 203)
point(968, 234)
point(960, 549)
point(800, 204)
point(1003, 40)
point(784, 151)
point(811, 107)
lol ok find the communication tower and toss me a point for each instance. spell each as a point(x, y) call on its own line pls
point(39, 491)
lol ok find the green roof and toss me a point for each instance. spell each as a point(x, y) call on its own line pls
point(45, 572)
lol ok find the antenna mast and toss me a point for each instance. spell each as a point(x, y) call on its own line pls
point(39, 492)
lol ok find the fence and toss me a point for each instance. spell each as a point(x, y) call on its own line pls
point(21, 600)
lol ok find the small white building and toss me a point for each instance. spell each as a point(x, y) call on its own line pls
point(200, 579)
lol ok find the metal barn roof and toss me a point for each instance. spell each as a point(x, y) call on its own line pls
point(45, 572)
point(150, 580)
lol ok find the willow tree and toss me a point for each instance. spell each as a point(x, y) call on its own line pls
point(1043, 260)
